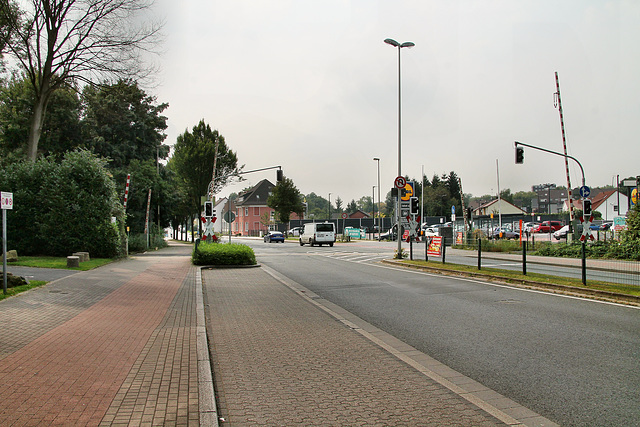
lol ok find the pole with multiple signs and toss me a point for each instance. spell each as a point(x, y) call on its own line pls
point(6, 202)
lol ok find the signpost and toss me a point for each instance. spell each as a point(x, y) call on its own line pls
point(6, 202)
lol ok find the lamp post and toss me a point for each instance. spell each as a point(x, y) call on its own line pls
point(329, 220)
point(398, 223)
point(379, 226)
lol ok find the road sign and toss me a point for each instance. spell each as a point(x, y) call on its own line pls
point(408, 191)
point(400, 182)
point(453, 210)
point(229, 216)
point(585, 191)
point(6, 200)
point(344, 215)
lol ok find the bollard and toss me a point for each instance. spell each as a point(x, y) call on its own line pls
point(524, 257)
point(73, 261)
point(479, 254)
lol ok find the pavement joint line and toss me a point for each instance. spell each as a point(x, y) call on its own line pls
point(207, 398)
point(410, 356)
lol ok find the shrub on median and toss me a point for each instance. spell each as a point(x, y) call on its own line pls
point(223, 254)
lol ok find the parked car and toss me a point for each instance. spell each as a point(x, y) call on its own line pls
point(295, 231)
point(528, 227)
point(506, 233)
point(595, 227)
point(562, 233)
point(389, 234)
point(606, 226)
point(429, 230)
point(274, 236)
point(548, 227)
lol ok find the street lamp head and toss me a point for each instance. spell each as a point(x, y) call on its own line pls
point(376, 159)
point(392, 42)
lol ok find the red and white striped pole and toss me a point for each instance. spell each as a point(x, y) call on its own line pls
point(566, 159)
point(126, 191)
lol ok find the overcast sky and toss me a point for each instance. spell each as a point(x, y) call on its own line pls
point(311, 86)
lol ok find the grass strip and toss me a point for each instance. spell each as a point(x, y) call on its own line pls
point(59, 262)
point(14, 291)
point(509, 275)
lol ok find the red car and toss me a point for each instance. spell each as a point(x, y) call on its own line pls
point(548, 227)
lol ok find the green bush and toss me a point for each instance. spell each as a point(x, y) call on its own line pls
point(63, 206)
point(223, 254)
point(625, 249)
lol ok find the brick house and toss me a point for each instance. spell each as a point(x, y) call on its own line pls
point(252, 211)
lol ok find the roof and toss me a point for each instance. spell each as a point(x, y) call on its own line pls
point(257, 195)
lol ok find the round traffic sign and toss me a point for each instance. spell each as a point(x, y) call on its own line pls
point(400, 182)
point(585, 191)
point(344, 215)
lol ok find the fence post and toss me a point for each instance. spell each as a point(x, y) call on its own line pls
point(426, 248)
point(444, 248)
point(524, 257)
point(584, 263)
point(479, 254)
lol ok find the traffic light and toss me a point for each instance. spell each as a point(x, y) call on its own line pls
point(279, 175)
point(208, 209)
point(586, 207)
point(414, 205)
point(519, 155)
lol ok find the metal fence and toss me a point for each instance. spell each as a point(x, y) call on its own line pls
point(521, 256)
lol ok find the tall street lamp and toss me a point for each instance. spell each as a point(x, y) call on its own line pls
point(376, 159)
point(329, 207)
point(399, 46)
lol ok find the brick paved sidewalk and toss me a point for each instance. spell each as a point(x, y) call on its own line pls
point(111, 346)
point(281, 359)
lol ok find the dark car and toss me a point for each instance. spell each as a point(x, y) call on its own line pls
point(548, 227)
point(274, 236)
point(389, 235)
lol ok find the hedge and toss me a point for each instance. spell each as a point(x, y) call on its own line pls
point(223, 254)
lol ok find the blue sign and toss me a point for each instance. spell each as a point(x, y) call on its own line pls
point(585, 191)
point(453, 210)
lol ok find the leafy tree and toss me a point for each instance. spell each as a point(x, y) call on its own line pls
point(632, 232)
point(317, 206)
point(338, 204)
point(63, 42)
point(123, 123)
point(193, 160)
point(352, 207)
point(285, 199)
point(61, 130)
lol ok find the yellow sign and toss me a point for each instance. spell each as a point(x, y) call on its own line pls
point(634, 196)
point(408, 191)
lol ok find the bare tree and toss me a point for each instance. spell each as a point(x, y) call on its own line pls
point(67, 42)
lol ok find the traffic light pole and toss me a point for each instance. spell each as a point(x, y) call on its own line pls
point(517, 143)
point(566, 156)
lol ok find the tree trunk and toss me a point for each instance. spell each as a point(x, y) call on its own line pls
point(35, 128)
point(37, 119)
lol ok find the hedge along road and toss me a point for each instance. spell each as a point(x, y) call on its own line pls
point(571, 360)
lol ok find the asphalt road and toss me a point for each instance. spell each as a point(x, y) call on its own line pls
point(572, 360)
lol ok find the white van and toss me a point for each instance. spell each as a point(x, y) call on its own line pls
point(318, 233)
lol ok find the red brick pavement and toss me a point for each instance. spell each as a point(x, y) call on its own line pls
point(71, 374)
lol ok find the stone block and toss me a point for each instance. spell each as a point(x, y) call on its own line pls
point(12, 256)
point(73, 261)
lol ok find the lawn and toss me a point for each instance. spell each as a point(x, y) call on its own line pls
point(59, 262)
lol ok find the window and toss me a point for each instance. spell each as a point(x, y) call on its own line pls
point(256, 211)
point(246, 211)
point(246, 226)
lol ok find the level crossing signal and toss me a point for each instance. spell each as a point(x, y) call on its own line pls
point(208, 209)
point(413, 205)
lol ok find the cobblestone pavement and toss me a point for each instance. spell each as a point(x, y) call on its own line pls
point(278, 359)
point(110, 346)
